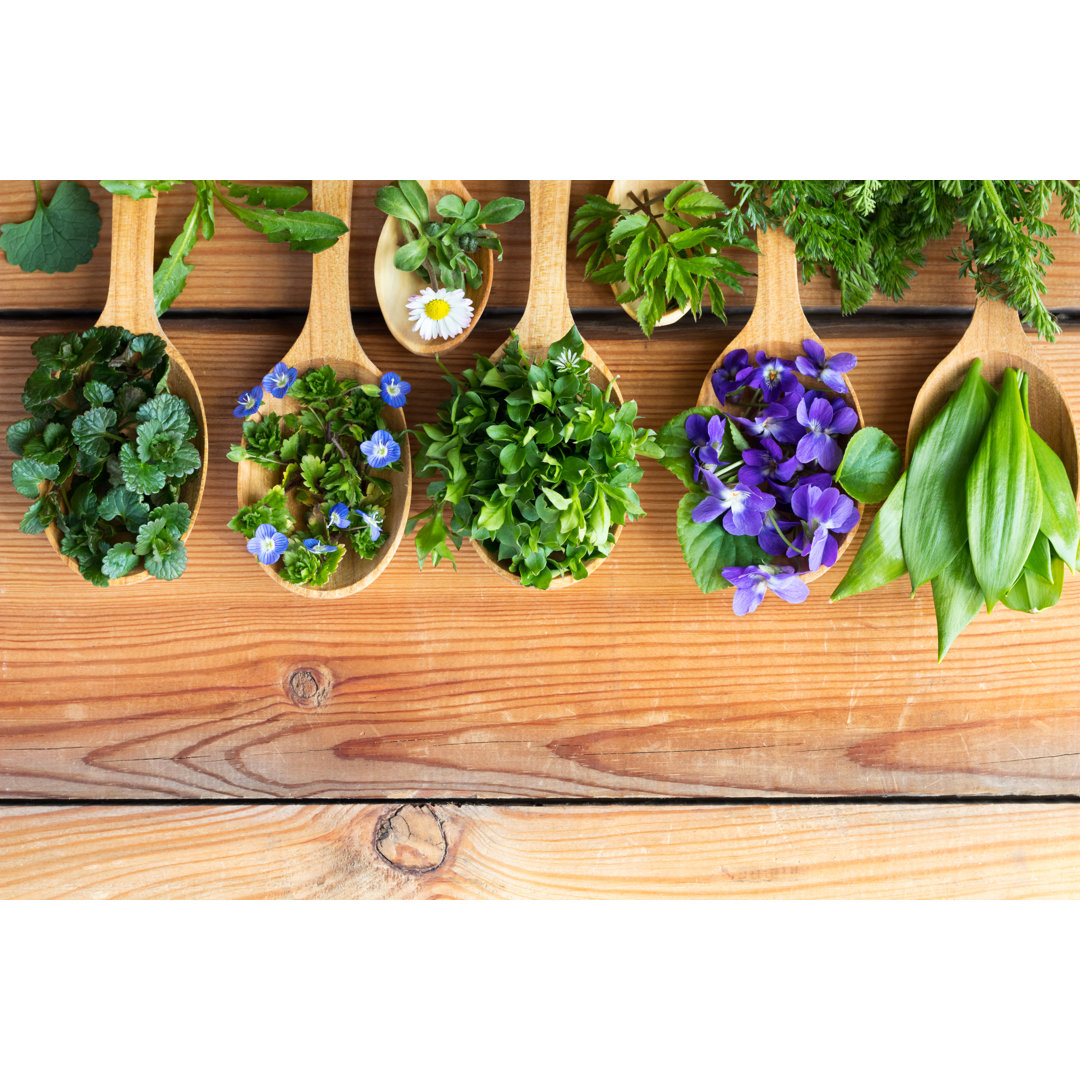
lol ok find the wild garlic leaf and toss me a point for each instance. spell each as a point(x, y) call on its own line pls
point(1004, 496)
point(1060, 521)
point(871, 465)
point(934, 525)
point(60, 236)
point(880, 558)
point(957, 599)
point(1033, 593)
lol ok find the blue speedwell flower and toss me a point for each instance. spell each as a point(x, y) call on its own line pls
point(278, 380)
point(317, 547)
point(268, 545)
point(339, 516)
point(249, 402)
point(393, 390)
point(380, 450)
point(372, 522)
point(751, 583)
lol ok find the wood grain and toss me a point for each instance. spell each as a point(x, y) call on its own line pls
point(451, 685)
point(371, 852)
point(223, 279)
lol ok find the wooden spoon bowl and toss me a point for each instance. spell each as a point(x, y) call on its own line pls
point(997, 337)
point(546, 319)
point(393, 287)
point(619, 193)
point(328, 338)
point(130, 304)
point(778, 325)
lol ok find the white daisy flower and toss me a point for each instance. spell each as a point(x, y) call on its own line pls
point(440, 314)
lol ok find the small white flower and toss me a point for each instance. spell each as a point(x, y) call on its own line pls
point(567, 360)
point(440, 314)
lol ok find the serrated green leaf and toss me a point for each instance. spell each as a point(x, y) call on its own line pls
point(183, 461)
point(1004, 496)
point(957, 599)
point(60, 236)
point(934, 528)
point(97, 393)
point(39, 516)
point(22, 430)
point(119, 561)
point(91, 431)
point(871, 465)
point(27, 474)
point(167, 565)
point(175, 515)
point(880, 558)
point(143, 477)
point(678, 192)
point(119, 502)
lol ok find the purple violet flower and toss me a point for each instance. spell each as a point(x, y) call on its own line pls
point(822, 423)
point(766, 464)
point(268, 545)
point(829, 371)
point(744, 508)
point(393, 390)
point(381, 449)
point(278, 379)
point(752, 582)
point(249, 402)
point(773, 376)
point(732, 374)
point(822, 512)
point(775, 422)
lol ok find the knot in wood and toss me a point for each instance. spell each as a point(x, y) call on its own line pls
point(411, 839)
point(308, 687)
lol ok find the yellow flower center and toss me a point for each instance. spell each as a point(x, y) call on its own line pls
point(436, 309)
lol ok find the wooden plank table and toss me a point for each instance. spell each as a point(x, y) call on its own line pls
point(627, 691)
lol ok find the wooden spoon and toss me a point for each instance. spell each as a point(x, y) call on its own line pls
point(778, 325)
point(997, 337)
point(394, 287)
point(328, 338)
point(620, 193)
point(130, 304)
point(547, 317)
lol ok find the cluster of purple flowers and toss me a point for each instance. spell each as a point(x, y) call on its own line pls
point(780, 488)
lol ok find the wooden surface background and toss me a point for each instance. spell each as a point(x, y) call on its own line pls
point(438, 686)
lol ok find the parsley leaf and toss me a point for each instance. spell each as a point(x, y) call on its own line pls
point(60, 236)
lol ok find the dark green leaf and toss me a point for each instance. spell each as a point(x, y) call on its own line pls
point(143, 477)
point(138, 189)
point(61, 235)
point(120, 561)
point(275, 196)
point(957, 599)
point(417, 198)
point(26, 475)
point(706, 547)
point(871, 466)
point(411, 255)
point(390, 200)
point(501, 210)
point(450, 206)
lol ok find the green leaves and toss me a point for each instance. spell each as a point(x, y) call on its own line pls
point(60, 236)
point(91, 431)
point(441, 251)
point(665, 254)
point(708, 550)
point(1017, 514)
point(1004, 496)
point(27, 474)
point(269, 510)
point(534, 461)
point(935, 500)
point(871, 465)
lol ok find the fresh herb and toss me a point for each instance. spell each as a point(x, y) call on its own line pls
point(105, 452)
point(535, 462)
point(985, 512)
point(267, 210)
point(60, 236)
point(331, 460)
point(664, 249)
point(760, 486)
point(872, 234)
point(441, 251)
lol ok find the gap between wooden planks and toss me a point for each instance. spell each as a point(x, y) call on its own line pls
point(223, 277)
point(451, 851)
point(439, 685)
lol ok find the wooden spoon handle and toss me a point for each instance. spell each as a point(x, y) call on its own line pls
point(547, 311)
point(995, 328)
point(778, 313)
point(130, 302)
point(329, 327)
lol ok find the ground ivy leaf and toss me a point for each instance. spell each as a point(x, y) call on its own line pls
point(26, 474)
point(1004, 496)
point(871, 465)
point(169, 564)
point(119, 561)
point(957, 599)
point(143, 477)
point(60, 236)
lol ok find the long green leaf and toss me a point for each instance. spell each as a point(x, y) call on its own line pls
point(1060, 521)
point(957, 599)
point(1034, 593)
point(880, 558)
point(934, 524)
point(1004, 496)
point(1039, 558)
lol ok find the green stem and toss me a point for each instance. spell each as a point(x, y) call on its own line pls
point(37, 192)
